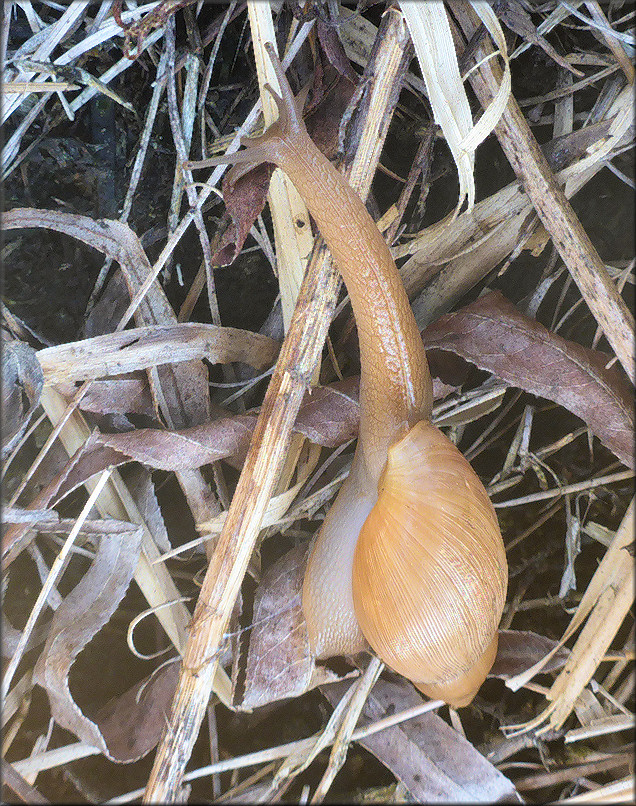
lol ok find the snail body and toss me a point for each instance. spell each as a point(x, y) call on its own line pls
point(409, 559)
point(428, 568)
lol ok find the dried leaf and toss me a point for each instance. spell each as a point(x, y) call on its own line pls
point(564, 150)
point(187, 448)
point(279, 662)
point(143, 492)
point(329, 414)
point(88, 460)
point(22, 382)
point(331, 46)
point(434, 762)
point(77, 620)
point(331, 92)
point(495, 336)
point(244, 201)
point(91, 459)
point(132, 723)
point(518, 650)
point(118, 396)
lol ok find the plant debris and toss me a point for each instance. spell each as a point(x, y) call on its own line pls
point(180, 383)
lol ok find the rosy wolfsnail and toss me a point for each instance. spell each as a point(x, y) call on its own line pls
point(409, 559)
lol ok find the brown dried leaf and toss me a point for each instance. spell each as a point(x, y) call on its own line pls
point(279, 662)
point(495, 336)
point(89, 459)
point(518, 650)
point(185, 449)
point(333, 50)
point(329, 415)
point(332, 90)
point(86, 609)
point(244, 201)
point(132, 723)
point(143, 492)
point(22, 382)
point(433, 761)
point(118, 396)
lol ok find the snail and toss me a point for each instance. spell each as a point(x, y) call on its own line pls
point(409, 559)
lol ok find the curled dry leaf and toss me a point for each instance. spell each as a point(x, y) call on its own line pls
point(86, 609)
point(132, 723)
point(495, 336)
point(88, 461)
point(117, 396)
point(143, 491)
point(22, 382)
point(329, 415)
point(187, 448)
point(433, 761)
point(244, 201)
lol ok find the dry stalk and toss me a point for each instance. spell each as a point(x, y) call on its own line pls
point(299, 356)
point(290, 217)
point(572, 242)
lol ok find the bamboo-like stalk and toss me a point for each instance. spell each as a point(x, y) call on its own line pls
point(299, 355)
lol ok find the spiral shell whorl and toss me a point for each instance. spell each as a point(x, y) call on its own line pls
point(429, 569)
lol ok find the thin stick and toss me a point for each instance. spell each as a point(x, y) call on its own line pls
point(611, 478)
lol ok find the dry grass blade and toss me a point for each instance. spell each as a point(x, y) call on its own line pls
point(290, 219)
point(52, 577)
point(616, 577)
point(433, 41)
point(605, 604)
point(152, 345)
point(343, 738)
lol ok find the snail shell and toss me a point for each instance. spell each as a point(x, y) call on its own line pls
point(429, 569)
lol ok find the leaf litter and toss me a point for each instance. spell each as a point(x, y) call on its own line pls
point(141, 395)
